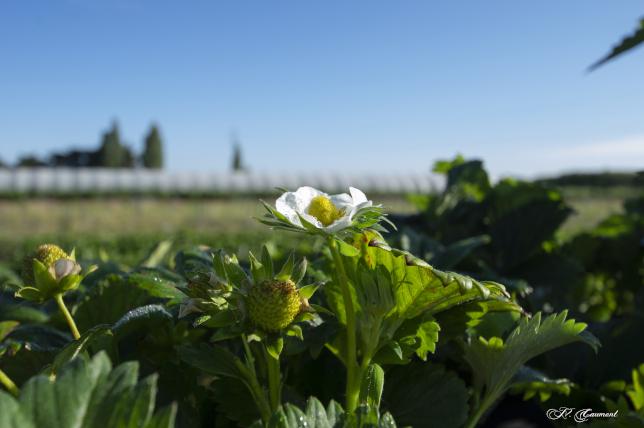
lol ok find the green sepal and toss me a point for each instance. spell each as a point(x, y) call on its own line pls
point(30, 293)
point(274, 345)
point(308, 225)
point(295, 330)
point(267, 261)
point(299, 271)
point(287, 269)
point(43, 279)
point(308, 291)
point(70, 282)
point(256, 268)
point(321, 310)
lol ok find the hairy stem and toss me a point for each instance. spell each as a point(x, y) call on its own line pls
point(485, 404)
point(67, 315)
point(353, 381)
point(274, 381)
point(8, 383)
point(253, 385)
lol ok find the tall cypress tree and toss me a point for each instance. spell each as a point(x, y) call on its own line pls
point(153, 151)
point(112, 153)
point(237, 164)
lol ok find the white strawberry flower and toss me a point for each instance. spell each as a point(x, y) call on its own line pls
point(330, 213)
point(311, 210)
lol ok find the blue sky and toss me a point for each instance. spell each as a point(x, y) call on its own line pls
point(327, 85)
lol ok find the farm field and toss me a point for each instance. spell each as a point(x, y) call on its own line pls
point(126, 228)
point(24, 218)
point(322, 215)
point(189, 288)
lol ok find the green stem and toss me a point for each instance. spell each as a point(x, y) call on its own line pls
point(353, 381)
point(480, 411)
point(8, 383)
point(254, 386)
point(274, 381)
point(67, 315)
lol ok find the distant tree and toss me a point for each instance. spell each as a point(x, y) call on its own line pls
point(30, 161)
point(2, 164)
point(237, 161)
point(238, 164)
point(129, 159)
point(74, 159)
point(153, 152)
point(112, 154)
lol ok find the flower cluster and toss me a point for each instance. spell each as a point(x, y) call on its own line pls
point(259, 303)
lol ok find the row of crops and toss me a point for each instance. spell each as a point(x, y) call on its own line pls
point(470, 312)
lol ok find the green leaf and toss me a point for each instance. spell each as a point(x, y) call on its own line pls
point(449, 257)
point(372, 385)
point(532, 383)
point(158, 254)
point(22, 313)
point(110, 300)
point(636, 390)
point(427, 336)
point(142, 318)
point(625, 45)
point(347, 249)
point(87, 394)
point(76, 347)
point(522, 216)
point(494, 362)
point(7, 327)
point(155, 285)
point(421, 289)
point(234, 400)
point(426, 395)
point(214, 360)
point(333, 416)
point(164, 418)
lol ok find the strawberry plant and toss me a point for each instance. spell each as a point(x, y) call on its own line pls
point(356, 333)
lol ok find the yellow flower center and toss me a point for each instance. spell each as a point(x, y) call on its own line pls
point(323, 209)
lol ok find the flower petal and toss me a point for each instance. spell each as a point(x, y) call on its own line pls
point(290, 204)
point(63, 268)
point(341, 223)
point(358, 196)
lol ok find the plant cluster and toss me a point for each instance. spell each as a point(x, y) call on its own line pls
point(359, 334)
point(511, 232)
point(111, 153)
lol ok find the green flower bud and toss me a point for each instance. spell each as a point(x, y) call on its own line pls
point(47, 254)
point(274, 304)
